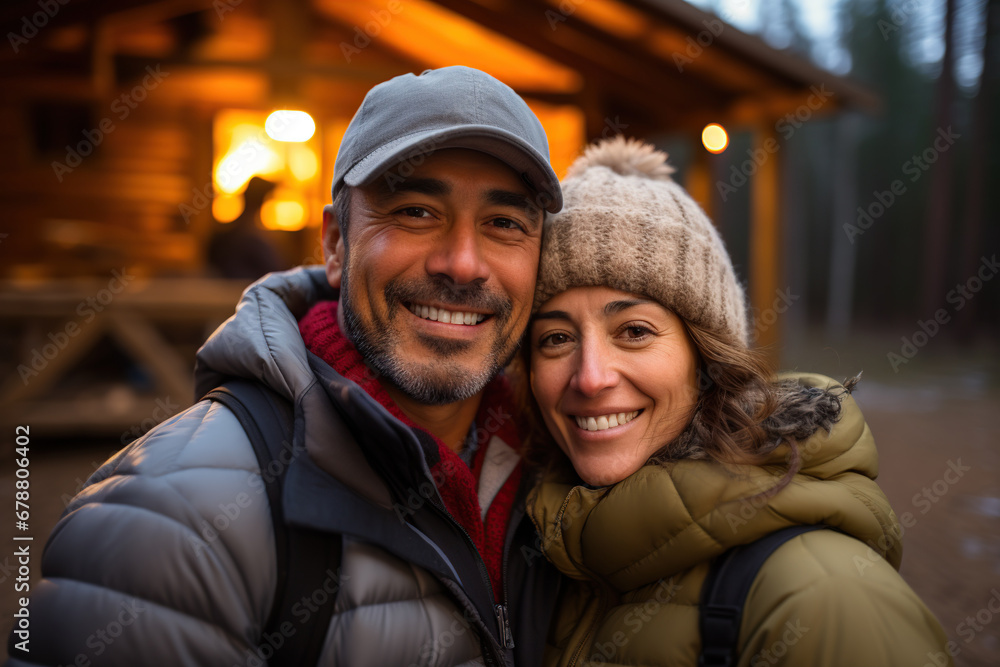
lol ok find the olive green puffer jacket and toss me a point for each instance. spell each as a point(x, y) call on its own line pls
point(639, 552)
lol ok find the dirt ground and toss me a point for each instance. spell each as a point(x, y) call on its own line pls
point(939, 459)
point(939, 465)
point(951, 553)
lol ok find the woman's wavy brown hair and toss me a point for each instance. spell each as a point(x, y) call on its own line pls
point(737, 419)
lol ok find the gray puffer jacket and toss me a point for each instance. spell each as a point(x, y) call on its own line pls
point(167, 556)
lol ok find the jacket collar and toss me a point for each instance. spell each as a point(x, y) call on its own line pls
point(261, 340)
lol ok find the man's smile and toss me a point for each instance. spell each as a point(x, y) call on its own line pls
point(446, 316)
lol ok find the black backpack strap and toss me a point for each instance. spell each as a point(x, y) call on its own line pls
point(725, 592)
point(267, 419)
point(306, 608)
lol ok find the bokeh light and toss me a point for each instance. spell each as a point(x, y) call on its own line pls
point(290, 125)
point(714, 138)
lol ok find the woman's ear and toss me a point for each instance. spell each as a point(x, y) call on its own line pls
point(333, 247)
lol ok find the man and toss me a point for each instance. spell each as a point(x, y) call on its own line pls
point(404, 444)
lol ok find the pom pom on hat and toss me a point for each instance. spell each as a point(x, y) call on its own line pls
point(626, 224)
point(628, 157)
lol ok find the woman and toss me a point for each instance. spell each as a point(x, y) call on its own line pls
point(673, 443)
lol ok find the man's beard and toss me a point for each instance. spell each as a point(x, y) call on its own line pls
point(436, 381)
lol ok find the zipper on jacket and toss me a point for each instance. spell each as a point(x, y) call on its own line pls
point(588, 638)
point(440, 507)
point(506, 638)
point(502, 643)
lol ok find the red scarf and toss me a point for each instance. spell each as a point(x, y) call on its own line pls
point(456, 482)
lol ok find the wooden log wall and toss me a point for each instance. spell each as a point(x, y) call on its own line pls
point(111, 199)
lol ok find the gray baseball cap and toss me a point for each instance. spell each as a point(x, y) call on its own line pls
point(451, 107)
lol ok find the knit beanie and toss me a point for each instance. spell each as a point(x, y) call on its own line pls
point(626, 224)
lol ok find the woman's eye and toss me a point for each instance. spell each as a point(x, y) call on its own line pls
point(554, 339)
point(636, 332)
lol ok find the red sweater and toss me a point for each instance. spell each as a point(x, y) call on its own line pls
point(457, 483)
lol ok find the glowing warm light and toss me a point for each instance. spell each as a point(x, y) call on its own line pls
point(242, 162)
point(289, 125)
point(286, 210)
point(714, 138)
point(303, 162)
point(448, 38)
point(244, 148)
point(609, 15)
point(227, 207)
point(565, 127)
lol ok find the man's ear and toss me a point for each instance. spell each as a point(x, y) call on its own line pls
point(333, 247)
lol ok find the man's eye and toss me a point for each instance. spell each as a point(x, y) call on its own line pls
point(414, 212)
point(505, 223)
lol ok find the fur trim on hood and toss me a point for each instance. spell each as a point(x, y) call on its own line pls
point(801, 411)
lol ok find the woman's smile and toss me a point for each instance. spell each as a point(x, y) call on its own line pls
point(603, 422)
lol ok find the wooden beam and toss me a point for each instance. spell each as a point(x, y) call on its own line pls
point(798, 72)
point(78, 339)
point(780, 108)
point(147, 346)
point(613, 64)
point(765, 243)
point(99, 411)
point(699, 179)
point(89, 11)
